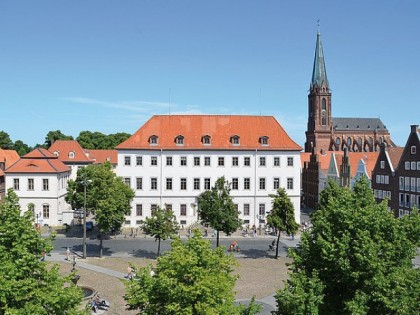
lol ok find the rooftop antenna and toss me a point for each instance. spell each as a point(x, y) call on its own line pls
point(260, 102)
point(169, 105)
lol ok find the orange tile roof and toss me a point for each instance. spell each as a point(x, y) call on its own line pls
point(37, 161)
point(395, 154)
point(101, 156)
point(9, 157)
point(323, 159)
point(64, 147)
point(219, 127)
point(304, 157)
point(368, 157)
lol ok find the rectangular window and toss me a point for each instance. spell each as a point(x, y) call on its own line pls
point(139, 160)
point(46, 211)
point(418, 184)
point(169, 161)
point(382, 179)
point(382, 164)
point(407, 183)
point(169, 184)
point(413, 149)
point(127, 181)
point(196, 184)
point(418, 166)
point(290, 183)
point(30, 184)
point(262, 183)
point(183, 210)
point(246, 208)
point(206, 161)
point(153, 208)
point(207, 183)
point(375, 193)
point(407, 200)
point(380, 194)
point(196, 161)
point(153, 183)
point(235, 183)
point(168, 207)
point(276, 161)
point(235, 161)
point(289, 161)
point(388, 194)
point(247, 183)
point(413, 166)
point(183, 184)
point(153, 160)
point(413, 184)
point(221, 161)
point(276, 183)
point(183, 161)
point(139, 183)
point(401, 183)
point(378, 179)
point(407, 165)
point(139, 210)
point(16, 183)
point(127, 160)
point(45, 184)
point(412, 200)
point(261, 209)
point(247, 161)
point(401, 200)
point(262, 161)
point(386, 179)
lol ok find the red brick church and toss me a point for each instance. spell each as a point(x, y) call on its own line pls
point(328, 133)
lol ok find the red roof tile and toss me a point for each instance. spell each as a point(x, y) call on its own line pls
point(220, 128)
point(33, 162)
point(395, 154)
point(63, 148)
point(102, 156)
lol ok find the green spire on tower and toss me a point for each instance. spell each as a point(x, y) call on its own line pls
point(319, 74)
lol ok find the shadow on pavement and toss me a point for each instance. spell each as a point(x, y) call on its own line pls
point(140, 253)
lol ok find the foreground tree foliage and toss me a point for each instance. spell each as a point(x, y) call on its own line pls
point(161, 225)
point(27, 286)
point(189, 279)
point(107, 197)
point(357, 259)
point(282, 215)
point(216, 208)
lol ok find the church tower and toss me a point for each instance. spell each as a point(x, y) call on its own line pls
point(318, 132)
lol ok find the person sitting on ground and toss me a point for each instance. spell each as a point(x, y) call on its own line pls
point(234, 245)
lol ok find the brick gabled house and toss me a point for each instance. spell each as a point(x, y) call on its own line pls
point(408, 175)
point(384, 180)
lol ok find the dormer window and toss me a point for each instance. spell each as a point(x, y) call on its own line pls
point(71, 154)
point(56, 153)
point(206, 140)
point(234, 140)
point(179, 140)
point(153, 140)
point(264, 140)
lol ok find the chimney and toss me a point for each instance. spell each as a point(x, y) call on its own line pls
point(414, 128)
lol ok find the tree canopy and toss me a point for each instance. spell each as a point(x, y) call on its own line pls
point(189, 279)
point(161, 225)
point(107, 196)
point(54, 136)
point(216, 208)
point(282, 215)
point(356, 259)
point(97, 140)
point(27, 286)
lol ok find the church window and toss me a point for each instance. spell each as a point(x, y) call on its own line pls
point(337, 141)
point(348, 141)
point(324, 104)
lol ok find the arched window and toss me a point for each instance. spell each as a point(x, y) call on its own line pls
point(324, 104)
point(179, 140)
point(153, 140)
point(71, 154)
point(349, 142)
point(264, 140)
point(206, 140)
point(324, 112)
point(234, 140)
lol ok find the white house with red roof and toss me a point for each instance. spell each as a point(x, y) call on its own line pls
point(71, 154)
point(172, 159)
point(40, 178)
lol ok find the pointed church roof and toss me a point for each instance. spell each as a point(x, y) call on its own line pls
point(319, 73)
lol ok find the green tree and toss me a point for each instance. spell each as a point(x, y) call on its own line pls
point(117, 138)
point(21, 148)
point(5, 141)
point(189, 279)
point(356, 259)
point(54, 136)
point(27, 286)
point(162, 225)
point(107, 197)
point(216, 208)
point(282, 215)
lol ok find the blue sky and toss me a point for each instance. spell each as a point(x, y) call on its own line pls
point(109, 65)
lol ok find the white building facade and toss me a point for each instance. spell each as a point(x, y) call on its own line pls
point(171, 160)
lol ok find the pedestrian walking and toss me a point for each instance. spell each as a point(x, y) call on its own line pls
point(68, 254)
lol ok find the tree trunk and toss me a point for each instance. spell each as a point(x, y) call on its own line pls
point(158, 253)
point(100, 244)
point(277, 245)
point(217, 239)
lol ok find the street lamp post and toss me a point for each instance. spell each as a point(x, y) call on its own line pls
point(84, 218)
